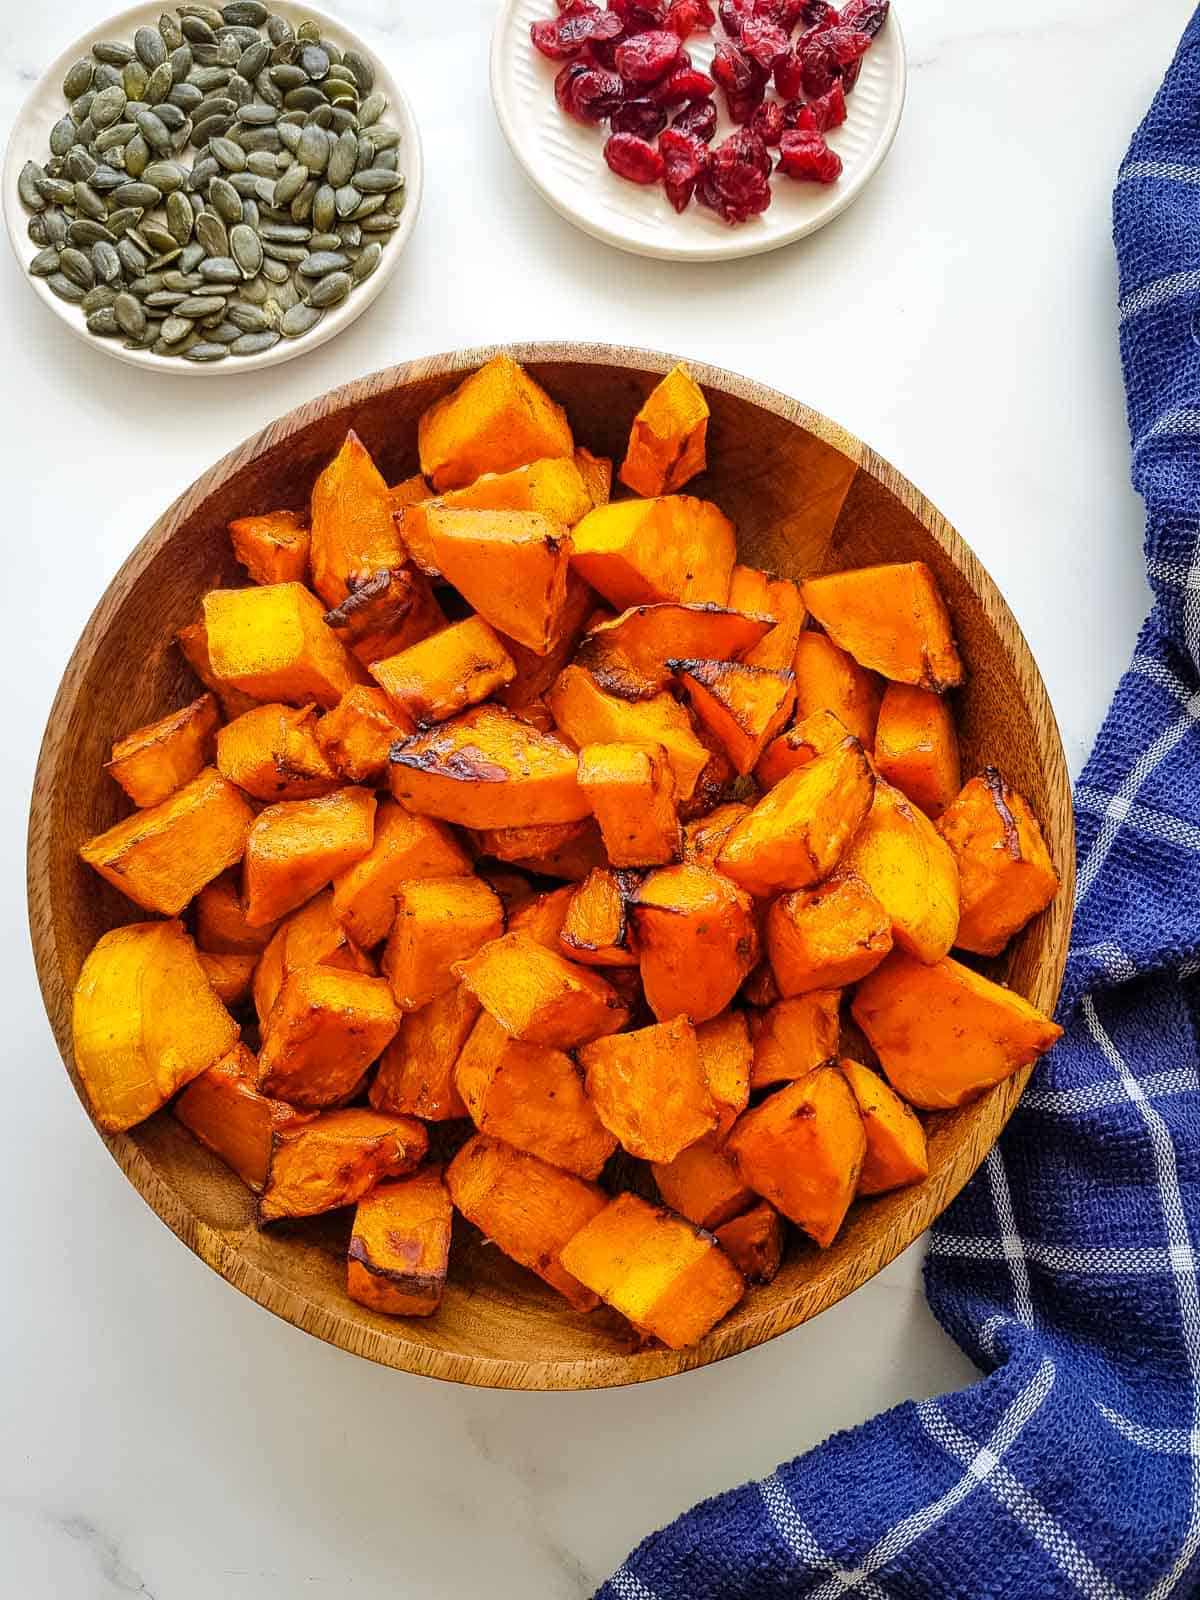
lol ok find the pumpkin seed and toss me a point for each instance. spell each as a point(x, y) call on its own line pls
point(134, 79)
point(132, 259)
point(211, 232)
point(301, 319)
point(171, 117)
point(247, 249)
point(279, 29)
point(205, 352)
point(259, 139)
point(324, 208)
point(253, 59)
point(171, 32)
point(367, 261)
point(62, 136)
point(258, 114)
point(106, 263)
point(199, 305)
point(320, 262)
point(225, 200)
point(180, 217)
point(112, 53)
point(37, 230)
point(57, 189)
point(108, 106)
point(290, 184)
point(342, 158)
point(159, 238)
point(307, 98)
point(174, 329)
point(381, 222)
point(384, 138)
point(103, 323)
point(350, 235)
point(153, 129)
point(84, 232)
point(89, 204)
point(114, 139)
point(191, 256)
point(165, 176)
point(165, 299)
point(137, 156)
point(220, 269)
point(138, 193)
point(106, 76)
point(253, 344)
point(231, 156)
point(301, 207)
point(78, 267)
point(330, 290)
point(207, 14)
point(45, 262)
point(368, 206)
point(61, 285)
point(197, 31)
point(161, 85)
point(207, 79)
point(275, 271)
point(79, 164)
point(78, 79)
point(377, 180)
point(186, 96)
point(254, 290)
point(97, 299)
point(130, 316)
point(222, 332)
point(364, 72)
point(372, 109)
point(29, 183)
point(346, 200)
point(324, 241)
point(293, 253)
point(122, 218)
point(314, 61)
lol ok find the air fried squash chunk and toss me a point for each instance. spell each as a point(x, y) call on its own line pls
point(400, 1246)
point(697, 937)
point(537, 995)
point(649, 1088)
point(152, 762)
point(1005, 873)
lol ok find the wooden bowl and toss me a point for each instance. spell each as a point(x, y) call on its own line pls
point(806, 496)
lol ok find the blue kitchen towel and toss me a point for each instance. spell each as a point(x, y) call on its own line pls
point(1067, 1269)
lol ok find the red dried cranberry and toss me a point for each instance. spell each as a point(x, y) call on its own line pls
point(818, 14)
point(644, 117)
point(736, 178)
point(638, 15)
point(783, 13)
point(580, 24)
point(763, 42)
point(545, 36)
point(847, 44)
point(829, 111)
point(806, 156)
point(592, 95)
point(647, 56)
point(733, 208)
point(682, 85)
point(866, 15)
point(743, 81)
point(733, 13)
point(850, 76)
point(563, 82)
point(686, 17)
point(818, 68)
point(632, 158)
point(767, 122)
point(684, 158)
point(788, 75)
point(698, 119)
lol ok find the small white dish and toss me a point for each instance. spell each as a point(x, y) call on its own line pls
point(29, 140)
point(564, 159)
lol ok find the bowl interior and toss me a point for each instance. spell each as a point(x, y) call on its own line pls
point(805, 497)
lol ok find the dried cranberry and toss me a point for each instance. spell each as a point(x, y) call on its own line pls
point(564, 80)
point(818, 14)
point(698, 119)
point(793, 113)
point(743, 81)
point(644, 117)
point(850, 75)
point(767, 122)
point(638, 15)
point(789, 76)
point(684, 158)
point(579, 24)
point(686, 17)
point(647, 56)
point(829, 111)
point(783, 13)
point(733, 13)
point(681, 85)
point(632, 158)
point(731, 207)
point(818, 68)
point(866, 15)
point(806, 156)
point(545, 36)
point(736, 178)
point(592, 95)
point(763, 42)
point(847, 44)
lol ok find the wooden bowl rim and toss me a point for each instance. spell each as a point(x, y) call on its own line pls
point(394, 1348)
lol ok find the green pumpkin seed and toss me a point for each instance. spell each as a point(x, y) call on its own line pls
point(320, 262)
point(342, 159)
point(160, 85)
point(211, 232)
point(45, 262)
point(330, 290)
point(323, 241)
point(108, 106)
point(314, 62)
point(313, 149)
point(291, 253)
point(254, 344)
point(259, 139)
point(29, 183)
point(180, 218)
point(37, 230)
point(290, 184)
point(287, 77)
point(159, 238)
point(98, 299)
point(324, 208)
point(89, 204)
point(368, 206)
point(122, 218)
point(209, 79)
point(78, 267)
point(319, 117)
point(384, 138)
point(84, 232)
point(290, 133)
point(132, 259)
point(225, 200)
point(171, 32)
point(166, 176)
point(130, 317)
point(165, 299)
point(279, 29)
point(247, 249)
point(347, 200)
point(114, 138)
point(377, 180)
point(255, 291)
point(309, 32)
point(181, 61)
point(191, 255)
point(79, 164)
point(367, 261)
point(171, 117)
point(138, 193)
point(58, 190)
point(342, 120)
point(103, 323)
point(276, 271)
point(258, 114)
point(112, 53)
point(222, 332)
point(62, 136)
point(78, 79)
point(106, 263)
point(350, 235)
point(186, 96)
point(205, 352)
point(364, 72)
point(211, 15)
point(372, 109)
point(58, 283)
point(174, 329)
point(197, 31)
point(301, 319)
point(306, 99)
point(200, 305)
point(231, 156)
point(262, 164)
point(182, 282)
point(301, 207)
point(107, 75)
point(134, 79)
point(381, 222)
point(137, 156)
point(220, 269)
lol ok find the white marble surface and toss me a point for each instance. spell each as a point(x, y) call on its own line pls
point(159, 1434)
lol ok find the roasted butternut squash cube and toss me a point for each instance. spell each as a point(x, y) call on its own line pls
point(162, 857)
point(510, 565)
point(697, 940)
point(537, 669)
point(777, 598)
point(497, 419)
point(892, 619)
point(793, 1036)
point(310, 937)
point(649, 1088)
point(532, 1097)
point(667, 440)
point(445, 673)
point(597, 474)
point(803, 1149)
point(231, 976)
point(299, 846)
point(403, 847)
point(400, 1246)
point(488, 769)
point(827, 679)
point(897, 1153)
point(916, 747)
point(553, 486)
point(910, 870)
point(726, 1055)
point(229, 1116)
point(631, 789)
point(801, 829)
point(386, 613)
point(828, 937)
point(586, 715)
point(221, 926)
point(273, 754)
point(322, 1033)
point(193, 646)
point(745, 707)
point(527, 1207)
point(1005, 873)
point(416, 1072)
point(703, 1184)
point(543, 917)
point(335, 1158)
point(408, 492)
point(597, 929)
point(704, 837)
point(633, 655)
point(439, 922)
point(815, 735)
point(668, 1277)
point(357, 735)
point(151, 763)
point(145, 1022)
point(754, 1242)
point(945, 1034)
point(537, 995)
point(272, 547)
point(640, 552)
point(353, 534)
point(272, 643)
point(553, 849)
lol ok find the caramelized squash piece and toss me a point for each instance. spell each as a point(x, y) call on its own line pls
point(537, 669)
point(231, 976)
point(640, 552)
point(754, 1242)
point(510, 565)
point(151, 763)
point(353, 533)
point(323, 1032)
point(273, 547)
point(145, 1022)
point(649, 1088)
point(703, 1184)
point(631, 790)
point(273, 643)
point(778, 598)
point(704, 837)
point(892, 619)
point(221, 926)
point(554, 849)
point(273, 754)
point(910, 870)
point(667, 440)
point(403, 847)
point(597, 475)
point(633, 655)
point(668, 1277)
point(800, 829)
point(532, 1097)
point(597, 929)
point(813, 736)
point(803, 1149)
point(498, 418)
point(543, 917)
point(163, 856)
point(697, 937)
point(793, 1036)
point(400, 1246)
point(537, 995)
point(488, 769)
point(527, 1207)
point(553, 486)
point(916, 747)
point(409, 492)
point(828, 937)
point(586, 715)
point(386, 613)
point(745, 707)
point(299, 846)
point(726, 1055)
point(356, 736)
point(897, 1153)
point(945, 1034)
point(310, 937)
point(439, 922)
point(827, 679)
point(334, 1159)
point(1005, 873)
point(193, 646)
point(228, 1115)
point(416, 1072)
point(445, 673)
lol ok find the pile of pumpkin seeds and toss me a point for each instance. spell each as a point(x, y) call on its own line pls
point(216, 185)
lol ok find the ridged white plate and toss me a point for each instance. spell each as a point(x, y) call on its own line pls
point(565, 160)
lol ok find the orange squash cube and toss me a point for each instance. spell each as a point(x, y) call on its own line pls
point(697, 939)
point(358, 734)
point(916, 747)
point(228, 1115)
point(586, 715)
point(539, 996)
point(400, 1246)
point(1005, 873)
point(667, 440)
point(631, 789)
point(542, 917)
point(297, 847)
point(815, 735)
point(353, 535)
point(828, 679)
point(726, 1054)
point(416, 1071)
point(403, 847)
point(151, 763)
point(778, 598)
point(439, 922)
point(892, 619)
point(597, 474)
point(553, 849)
point(310, 937)
point(273, 643)
point(333, 1159)
point(632, 655)
point(704, 837)
point(322, 1033)
point(193, 646)
point(498, 418)
point(273, 547)
point(649, 1088)
point(386, 613)
point(231, 976)
point(743, 706)
point(897, 1153)
point(272, 753)
point(793, 1036)
point(221, 926)
point(911, 871)
point(510, 565)
point(409, 492)
point(445, 673)
point(703, 1184)
point(641, 552)
point(828, 937)
point(597, 929)
point(754, 1242)
point(553, 486)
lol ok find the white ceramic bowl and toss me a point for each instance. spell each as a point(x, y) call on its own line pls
point(29, 140)
point(565, 159)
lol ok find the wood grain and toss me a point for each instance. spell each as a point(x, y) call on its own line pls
point(806, 497)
